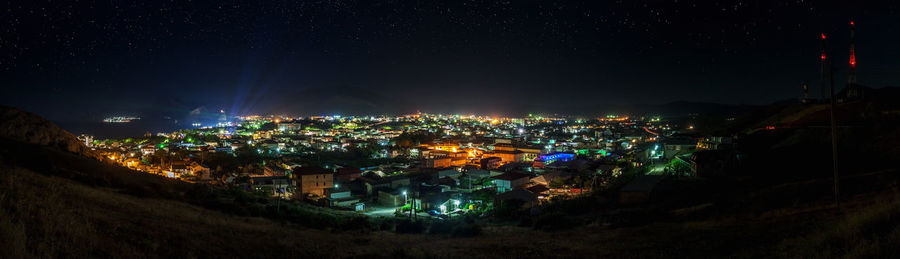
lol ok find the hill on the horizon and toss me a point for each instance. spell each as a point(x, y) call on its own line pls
point(27, 127)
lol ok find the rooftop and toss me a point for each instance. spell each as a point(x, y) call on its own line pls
point(510, 176)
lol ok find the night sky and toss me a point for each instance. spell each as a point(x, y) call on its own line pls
point(81, 60)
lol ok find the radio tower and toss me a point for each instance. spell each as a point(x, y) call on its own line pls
point(852, 89)
point(822, 60)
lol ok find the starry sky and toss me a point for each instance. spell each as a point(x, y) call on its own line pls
point(77, 60)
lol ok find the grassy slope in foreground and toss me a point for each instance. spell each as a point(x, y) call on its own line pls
point(48, 216)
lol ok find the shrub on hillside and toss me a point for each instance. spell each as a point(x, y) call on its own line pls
point(552, 221)
point(510, 209)
point(576, 205)
point(409, 227)
point(441, 226)
point(358, 223)
point(466, 230)
point(871, 233)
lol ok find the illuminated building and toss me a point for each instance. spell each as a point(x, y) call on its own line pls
point(87, 139)
point(313, 180)
point(438, 162)
point(509, 181)
point(528, 153)
point(547, 159)
point(290, 126)
point(490, 163)
point(507, 156)
point(280, 186)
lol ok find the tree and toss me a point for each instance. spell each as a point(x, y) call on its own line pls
point(578, 182)
point(509, 208)
point(557, 183)
point(158, 157)
point(678, 167)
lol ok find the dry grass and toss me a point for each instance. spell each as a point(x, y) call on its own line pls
point(46, 216)
point(73, 211)
point(872, 232)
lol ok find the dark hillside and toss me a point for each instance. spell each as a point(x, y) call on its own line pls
point(55, 203)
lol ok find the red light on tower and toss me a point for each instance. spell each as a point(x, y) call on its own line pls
point(852, 51)
point(823, 47)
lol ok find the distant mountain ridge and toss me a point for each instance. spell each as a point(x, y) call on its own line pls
point(685, 107)
point(335, 100)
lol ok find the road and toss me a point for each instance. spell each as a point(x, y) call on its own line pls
point(382, 212)
point(656, 168)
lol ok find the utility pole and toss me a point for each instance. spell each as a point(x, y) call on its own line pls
point(414, 201)
point(834, 148)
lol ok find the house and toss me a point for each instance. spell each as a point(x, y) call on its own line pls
point(449, 173)
point(490, 163)
point(339, 196)
point(148, 149)
point(509, 181)
point(545, 160)
point(716, 143)
point(639, 189)
point(528, 198)
point(179, 167)
point(392, 198)
point(274, 171)
point(199, 170)
point(541, 190)
point(372, 183)
point(338, 192)
point(438, 162)
point(357, 187)
point(547, 178)
point(170, 174)
point(399, 181)
point(528, 153)
point(678, 146)
point(447, 181)
point(481, 174)
point(706, 163)
point(434, 200)
point(132, 162)
point(278, 186)
point(508, 156)
point(313, 180)
point(348, 173)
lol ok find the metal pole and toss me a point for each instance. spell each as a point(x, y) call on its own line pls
point(834, 147)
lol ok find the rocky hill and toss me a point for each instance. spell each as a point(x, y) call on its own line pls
point(27, 127)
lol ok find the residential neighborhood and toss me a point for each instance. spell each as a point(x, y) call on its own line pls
point(431, 165)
